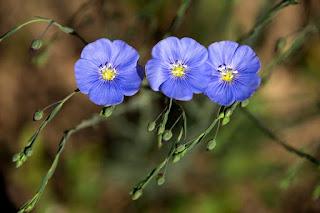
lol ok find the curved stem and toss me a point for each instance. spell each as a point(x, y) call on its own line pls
point(279, 141)
point(28, 206)
point(41, 19)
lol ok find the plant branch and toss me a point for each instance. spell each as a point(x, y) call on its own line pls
point(64, 29)
point(278, 140)
point(28, 206)
point(250, 39)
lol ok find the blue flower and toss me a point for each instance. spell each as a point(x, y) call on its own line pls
point(234, 72)
point(178, 68)
point(108, 71)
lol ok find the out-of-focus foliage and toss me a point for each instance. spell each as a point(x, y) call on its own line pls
point(245, 172)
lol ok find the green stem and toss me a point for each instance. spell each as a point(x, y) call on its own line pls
point(187, 146)
point(28, 206)
point(295, 45)
point(251, 38)
point(279, 141)
point(41, 19)
point(178, 18)
point(27, 151)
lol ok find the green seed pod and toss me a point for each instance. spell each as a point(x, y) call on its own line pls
point(180, 148)
point(16, 157)
point(19, 163)
point(151, 126)
point(36, 44)
point(160, 179)
point(225, 120)
point(38, 115)
point(211, 144)
point(167, 135)
point(137, 194)
point(161, 129)
point(245, 103)
point(29, 152)
point(176, 158)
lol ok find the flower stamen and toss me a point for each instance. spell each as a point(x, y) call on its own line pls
point(178, 69)
point(108, 73)
point(227, 73)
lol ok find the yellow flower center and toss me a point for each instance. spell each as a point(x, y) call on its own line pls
point(108, 73)
point(227, 73)
point(178, 69)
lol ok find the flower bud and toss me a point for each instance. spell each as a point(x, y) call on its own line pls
point(151, 126)
point(225, 120)
point(160, 179)
point(66, 29)
point(19, 163)
point(137, 194)
point(221, 115)
point(107, 110)
point(38, 115)
point(180, 148)
point(29, 151)
point(228, 113)
point(176, 158)
point(161, 129)
point(281, 43)
point(16, 157)
point(167, 135)
point(245, 103)
point(35, 45)
point(211, 144)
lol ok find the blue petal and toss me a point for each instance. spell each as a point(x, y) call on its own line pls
point(157, 71)
point(177, 89)
point(129, 80)
point(99, 51)
point(105, 93)
point(140, 71)
point(219, 91)
point(198, 77)
point(246, 60)
point(86, 73)
point(167, 49)
point(221, 53)
point(244, 85)
point(192, 53)
point(123, 55)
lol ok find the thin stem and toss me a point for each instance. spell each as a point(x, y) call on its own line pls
point(184, 119)
point(251, 38)
point(161, 113)
point(295, 45)
point(279, 141)
point(215, 136)
point(166, 114)
point(40, 19)
point(27, 151)
point(51, 105)
point(178, 18)
point(46, 29)
point(175, 122)
point(28, 206)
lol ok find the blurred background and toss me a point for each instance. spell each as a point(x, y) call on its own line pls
point(246, 172)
